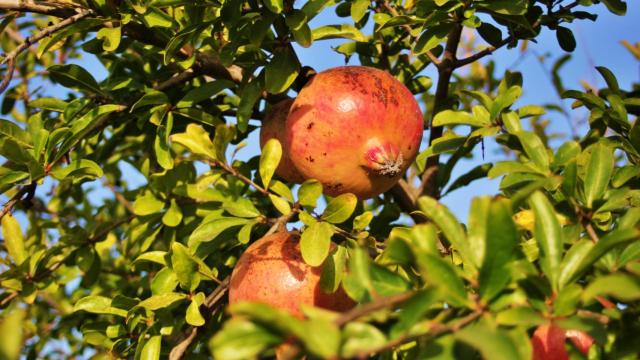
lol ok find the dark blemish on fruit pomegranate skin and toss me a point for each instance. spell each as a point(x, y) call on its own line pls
point(310, 126)
point(310, 159)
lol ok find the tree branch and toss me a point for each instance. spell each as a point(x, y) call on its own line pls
point(10, 58)
point(47, 8)
point(25, 190)
point(445, 71)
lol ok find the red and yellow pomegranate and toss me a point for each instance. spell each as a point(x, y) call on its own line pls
point(548, 342)
point(273, 127)
point(356, 129)
point(272, 271)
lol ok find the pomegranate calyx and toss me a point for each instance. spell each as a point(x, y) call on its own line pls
point(385, 160)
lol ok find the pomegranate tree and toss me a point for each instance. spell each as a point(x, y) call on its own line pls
point(355, 129)
point(272, 271)
point(273, 127)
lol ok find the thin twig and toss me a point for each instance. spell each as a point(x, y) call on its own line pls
point(435, 330)
point(368, 308)
point(10, 58)
point(176, 80)
point(8, 299)
point(28, 190)
point(233, 171)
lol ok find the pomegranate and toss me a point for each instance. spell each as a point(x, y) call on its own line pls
point(548, 342)
point(273, 126)
point(355, 129)
point(272, 271)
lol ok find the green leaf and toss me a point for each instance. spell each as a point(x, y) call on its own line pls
point(431, 38)
point(75, 77)
point(193, 316)
point(567, 152)
point(98, 305)
point(157, 257)
point(315, 243)
point(343, 31)
point(162, 301)
point(566, 39)
point(359, 9)
point(598, 173)
point(548, 233)
point(450, 117)
point(209, 230)
point(151, 349)
point(622, 287)
point(275, 6)
point(333, 270)
point(413, 311)
point(572, 260)
point(9, 130)
point(165, 281)
point(242, 339)
point(520, 315)
point(281, 204)
point(241, 207)
point(448, 223)
point(505, 7)
point(501, 242)
point(610, 78)
point(173, 216)
point(491, 342)
point(204, 92)
point(269, 160)
point(197, 140)
point(606, 243)
point(281, 71)
point(386, 282)
point(340, 208)
point(78, 170)
point(361, 338)
point(309, 192)
point(535, 149)
point(151, 97)
point(12, 327)
point(617, 7)
point(147, 204)
point(250, 95)
point(490, 34)
point(185, 267)
point(224, 135)
point(110, 37)
point(440, 274)
point(13, 239)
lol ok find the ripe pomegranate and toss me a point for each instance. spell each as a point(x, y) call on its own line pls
point(356, 129)
point(548, 342)
point(273, 127)
point(272, 271)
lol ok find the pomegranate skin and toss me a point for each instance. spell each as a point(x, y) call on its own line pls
point(548, 342)
point(273, 127)
point(356, 129)
point(272, 271)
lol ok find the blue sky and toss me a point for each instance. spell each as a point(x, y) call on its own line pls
point(598, 44)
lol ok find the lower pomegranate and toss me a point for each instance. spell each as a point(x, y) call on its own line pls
point(272, 271)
